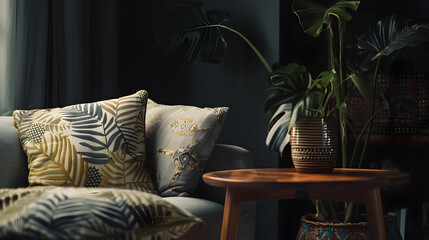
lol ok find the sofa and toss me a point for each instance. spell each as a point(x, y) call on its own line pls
point(206, 203)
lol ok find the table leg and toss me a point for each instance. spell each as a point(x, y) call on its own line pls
point(374, 212)
point(230, 214)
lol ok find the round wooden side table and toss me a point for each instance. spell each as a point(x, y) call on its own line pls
point(344, 184)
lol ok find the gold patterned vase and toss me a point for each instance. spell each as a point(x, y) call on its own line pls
point(315, 144)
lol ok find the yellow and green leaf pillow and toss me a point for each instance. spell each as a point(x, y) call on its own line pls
point(85, 213)
point(100, 144)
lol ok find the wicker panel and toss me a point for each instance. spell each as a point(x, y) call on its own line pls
point(409, 79)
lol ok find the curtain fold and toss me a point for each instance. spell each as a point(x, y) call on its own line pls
point(7, 47)
point(58, 52)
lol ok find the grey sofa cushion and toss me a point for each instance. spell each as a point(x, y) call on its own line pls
point(210, 212)
point(13, 163)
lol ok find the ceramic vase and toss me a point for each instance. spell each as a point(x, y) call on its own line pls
point(315, 144)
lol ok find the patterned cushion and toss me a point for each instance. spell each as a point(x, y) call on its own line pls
point(88, 213)
point(99, 144)
point(181, 139)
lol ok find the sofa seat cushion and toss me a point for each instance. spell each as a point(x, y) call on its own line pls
point(211, 213)
point(88, 213)
point(100, 144)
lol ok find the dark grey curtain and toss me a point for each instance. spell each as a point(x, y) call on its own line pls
point(82, 53)
point(64, 52)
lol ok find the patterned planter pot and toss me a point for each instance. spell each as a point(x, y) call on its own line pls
point(315, 144)
point(314, 230)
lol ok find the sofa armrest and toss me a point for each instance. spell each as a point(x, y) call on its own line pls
point(13, 162)
point(223, 157)
point(226, 157)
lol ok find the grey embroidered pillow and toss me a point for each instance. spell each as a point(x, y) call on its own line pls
point(100, 144)
point(180, 139)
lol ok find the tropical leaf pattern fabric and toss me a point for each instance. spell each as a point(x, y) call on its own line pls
point(100, 144)
point(180, 140)
point(86, 213)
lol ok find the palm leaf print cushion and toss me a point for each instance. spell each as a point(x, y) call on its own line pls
point(100, 144)
point(180, 141)
point(88, 213)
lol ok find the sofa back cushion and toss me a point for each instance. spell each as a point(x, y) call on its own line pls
point(100, 144)
point(13, 163)
point(180, 141)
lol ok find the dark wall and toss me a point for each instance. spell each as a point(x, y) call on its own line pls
point(140, 64)
point(239, 82)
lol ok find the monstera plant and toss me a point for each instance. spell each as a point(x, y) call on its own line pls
point(315, 19)
point(192, 34)
point(389, 35)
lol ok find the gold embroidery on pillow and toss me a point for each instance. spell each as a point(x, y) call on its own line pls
point(184, 159)
point(164, 151)
point(184, 126)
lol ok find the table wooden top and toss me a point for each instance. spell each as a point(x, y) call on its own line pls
point(289, 178)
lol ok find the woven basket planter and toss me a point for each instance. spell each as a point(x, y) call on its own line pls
point(314, 230)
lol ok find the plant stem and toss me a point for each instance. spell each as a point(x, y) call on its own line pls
point(342, 91)
point(317, 204)
point(368, 123)
point(255, 50)
point(333, 211)
point(372, 113)
point(330, 94)
point(341, 32)
point(348, 212)
point(338, 98)
point(351, 128)
point(263, 60)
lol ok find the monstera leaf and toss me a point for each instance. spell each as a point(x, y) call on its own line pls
point(324, 79)
point(391, 34)
point(287, 115)
point(292, 98)
point(363, 86)
point(313, 17)
point(311, 100)
point(191, 34)
point(278, 135)
point(288, 84)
